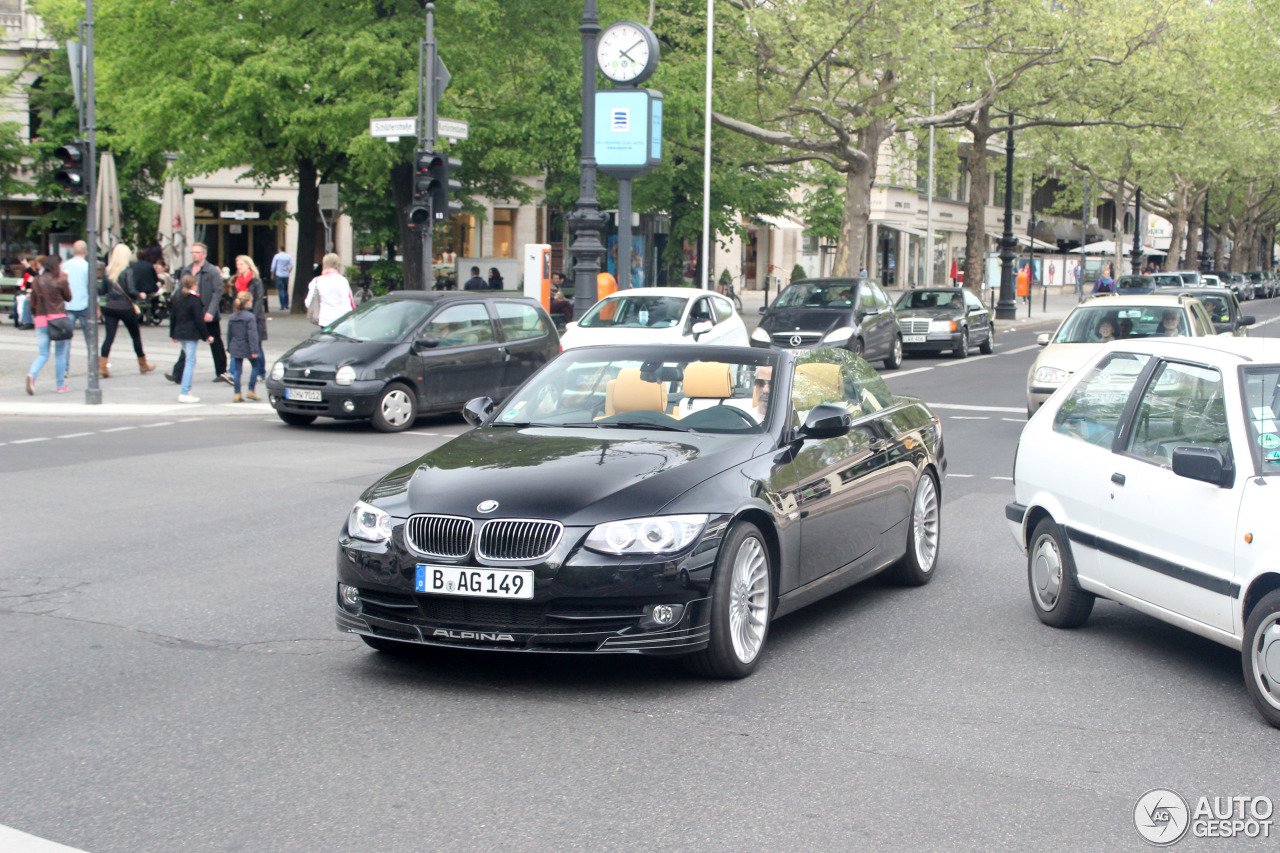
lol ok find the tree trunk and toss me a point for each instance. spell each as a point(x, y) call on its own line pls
point(410, 238)
point(308, 219)
point(1121, 200)
point(1179, 223)
point(1221, 248)
point(975, 231)
point(1191, 260)
point(851, 251)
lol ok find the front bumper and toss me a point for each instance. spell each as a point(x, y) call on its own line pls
point(583, 602)
point(356, 400)
point(933, 342)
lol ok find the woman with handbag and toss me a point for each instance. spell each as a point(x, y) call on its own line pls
point(49, 294)
point(121, 307)
point(329, 294)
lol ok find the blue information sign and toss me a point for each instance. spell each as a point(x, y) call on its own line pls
point(628, 131)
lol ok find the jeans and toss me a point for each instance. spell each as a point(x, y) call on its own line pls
point(282, 287)
point(188, 365)
point(218, 350)
point(257, 370)
point(61, 355)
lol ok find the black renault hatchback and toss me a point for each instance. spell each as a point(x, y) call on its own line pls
point(412, 353)
point(854, 313)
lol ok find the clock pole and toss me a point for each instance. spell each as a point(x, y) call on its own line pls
point(586, 224)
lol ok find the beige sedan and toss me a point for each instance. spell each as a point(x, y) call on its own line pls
point(1101, 319)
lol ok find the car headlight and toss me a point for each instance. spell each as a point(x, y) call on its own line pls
point(277, 371)
point(1051, 375)
point(664, 534)
point(758, 334)
point(368, 523)
point(345, 375)
point(838, 336)
point(942, 325)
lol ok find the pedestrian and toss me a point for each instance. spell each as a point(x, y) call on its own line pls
point(332, 289)
point(557, 302)
point(122, 307)
point(1105, 283)
point(76, 269)
point(862, 273)
point(187, 327)
point(242, 343)
point(495, 279)
point(49, 295)
point(256, 289)
point(1077, 276)
point(210, 281)
point(475, 282)
point(281, 266)
point(22, 304)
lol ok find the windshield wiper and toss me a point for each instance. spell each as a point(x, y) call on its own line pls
point(522, 424)
point(643, 425)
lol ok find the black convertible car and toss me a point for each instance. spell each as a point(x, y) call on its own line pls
point(663, 500)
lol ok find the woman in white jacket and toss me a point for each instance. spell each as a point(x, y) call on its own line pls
point(332, 289)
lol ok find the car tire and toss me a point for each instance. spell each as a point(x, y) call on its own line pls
point(924, 535)
point(858, 347)
point(297, 420)
point(1260, 654)
point(741, 603)
point(988, 345)
point(962, 351)
point(396, 408)
point(1051, 577)
point(389, 647)
point(894, 361)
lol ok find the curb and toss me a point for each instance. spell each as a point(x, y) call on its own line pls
point(134, 410)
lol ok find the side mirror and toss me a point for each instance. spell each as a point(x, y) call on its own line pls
point(477, 409)
point(1248, 320)
point(1043, 339)
point(763, 309)
point(1202, 463)
point(426, 342)
point(826, 421)
point(701, 327)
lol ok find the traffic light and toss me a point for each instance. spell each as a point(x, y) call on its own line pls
point(71, 175)
point(442, 186)
point(420, 207)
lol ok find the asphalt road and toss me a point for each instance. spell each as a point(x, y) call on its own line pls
point(171, 679)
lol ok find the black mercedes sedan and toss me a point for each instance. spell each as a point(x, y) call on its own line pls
point(660, 500)
point(411, 353)
point(934, 319)
point(854, 313)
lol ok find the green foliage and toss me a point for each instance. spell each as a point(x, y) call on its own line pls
point(385, 276)
point(725, 278)
point(798, 273)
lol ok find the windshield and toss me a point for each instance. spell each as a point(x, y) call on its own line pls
point(930, 299)
point(1262, 403)
point(635, 311)
point(1168, 281)
point(826, 295)
point(666, 389)
point(383, 321)
point(1102, 323)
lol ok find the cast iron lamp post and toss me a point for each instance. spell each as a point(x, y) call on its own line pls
point(1137, 233)
point(587, 223)
point(1007, 307)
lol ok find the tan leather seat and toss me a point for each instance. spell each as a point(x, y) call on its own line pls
point(706, 384)
point(630, 393)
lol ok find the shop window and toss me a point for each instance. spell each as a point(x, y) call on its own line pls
point(504, 232)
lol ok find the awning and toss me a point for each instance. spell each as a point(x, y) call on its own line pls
point(1024, 240)
point(784, 223)
point(906, 230)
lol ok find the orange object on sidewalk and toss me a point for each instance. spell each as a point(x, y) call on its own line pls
point(1024, 281)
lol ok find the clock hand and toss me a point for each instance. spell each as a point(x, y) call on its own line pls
point(627, 52)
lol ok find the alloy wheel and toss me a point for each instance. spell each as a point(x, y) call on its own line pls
point(749, 599)
point(926, 523)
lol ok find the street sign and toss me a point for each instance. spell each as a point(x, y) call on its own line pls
point(240, 215)
point(328, 197)
point(450, 128)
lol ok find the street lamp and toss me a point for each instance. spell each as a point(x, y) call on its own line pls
point(1007, 307)
point(1204, 235)
point(587, 223)
point(1137, 233)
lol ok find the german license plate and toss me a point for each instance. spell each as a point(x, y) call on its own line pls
point(914, 339)
point(302, 395)
point(477, 583)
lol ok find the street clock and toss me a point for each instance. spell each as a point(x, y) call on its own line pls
point(627, 53)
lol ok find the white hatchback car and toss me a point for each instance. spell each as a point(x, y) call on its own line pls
point(657, 315)
point(1153, 479)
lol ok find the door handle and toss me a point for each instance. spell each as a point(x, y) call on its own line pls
point(1118, 479)
point(506, 354)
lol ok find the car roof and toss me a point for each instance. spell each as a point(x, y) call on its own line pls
point(682, 292)
point(1219, 349)
point(1170, 300)
point(447, 295)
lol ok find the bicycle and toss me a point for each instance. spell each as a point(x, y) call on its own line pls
point(729, 291)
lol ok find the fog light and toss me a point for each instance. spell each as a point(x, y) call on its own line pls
point(348, 406)
point(349, 596)
point(665, 614)
point(274, 399)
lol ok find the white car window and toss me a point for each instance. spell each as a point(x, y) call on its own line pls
point(1091, 412)
point(723, 307)
point(1182, 405)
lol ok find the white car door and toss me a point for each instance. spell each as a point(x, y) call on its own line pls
point(1166, 539)
point(729, 330)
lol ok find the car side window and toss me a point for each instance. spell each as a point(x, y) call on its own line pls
point(1092, 411)
point(1200, 318)
point(1181, 405)
point(882, 298)
point(519, 321)
point(841, 379)
point(460, 325)
point(701, 311)
point(971, 302)
point(866, 298)
point(723, 307)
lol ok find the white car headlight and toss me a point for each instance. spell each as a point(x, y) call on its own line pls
point(838, 336)
point(942, 325)
point(1051, 375)
point(345, 375)
point(758, 334)
point(277, 371)
point(368, 523)
point(664, 534)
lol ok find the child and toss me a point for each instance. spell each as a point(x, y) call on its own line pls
point(186, 326)
point(242, 343)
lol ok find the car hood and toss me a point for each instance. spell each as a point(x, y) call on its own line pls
point(931, 313)
point(580, 337)
point(1068, 357)
point(575, 476)
point(804, 319)
point(334, 352)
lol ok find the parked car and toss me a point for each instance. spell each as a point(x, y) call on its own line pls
point(851, 312)
point(1191, 278)
point(1223, 308)
point(1167, 279)
point(651, 315)
point(1263, 287)
point(659, 500)
point(1083, 333)
point(934, 319)
point(1151, 480)
point(410, 353)
point(1134, 285)
point(1235, 281)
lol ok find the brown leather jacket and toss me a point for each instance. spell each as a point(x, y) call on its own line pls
point(49, 295)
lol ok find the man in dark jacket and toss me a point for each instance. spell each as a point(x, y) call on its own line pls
point(211, 295)
point(475, 282)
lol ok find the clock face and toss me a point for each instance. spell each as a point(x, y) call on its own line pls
point(626, 52)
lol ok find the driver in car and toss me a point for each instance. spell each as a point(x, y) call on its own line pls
point(763, 385)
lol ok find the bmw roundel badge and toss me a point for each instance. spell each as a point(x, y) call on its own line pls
point(487, 506)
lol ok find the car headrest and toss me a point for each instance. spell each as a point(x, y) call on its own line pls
point(708, 379)
point(631, 393)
